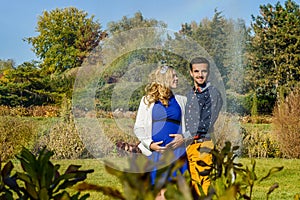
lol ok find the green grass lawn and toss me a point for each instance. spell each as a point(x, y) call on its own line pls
point(99, 176)
point(288, 178)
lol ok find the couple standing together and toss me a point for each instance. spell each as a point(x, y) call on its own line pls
point(184, 124)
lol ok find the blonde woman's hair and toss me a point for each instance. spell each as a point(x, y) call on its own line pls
point(158, 87)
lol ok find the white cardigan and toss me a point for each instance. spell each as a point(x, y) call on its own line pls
point(143, 123)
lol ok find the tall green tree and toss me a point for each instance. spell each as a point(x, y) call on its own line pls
point(226, 42)
point(65, 38)
point(23, 86)
point(238, 36)
point(123, 53)
point(223, 39)
point(138, 21)
point(212, 36)
point(275, 53)
point(134, 32)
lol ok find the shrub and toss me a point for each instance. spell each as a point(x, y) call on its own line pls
point(33, 111)
point(100, 136)
point(258, 119)
point(64, 140)
point(4, 110)
point(227, 128)
point(286, 125)
point(238, 104)
point(44, 111)
point(19, 111)
point(259, 142)
point(15, 132)
point(265, 104)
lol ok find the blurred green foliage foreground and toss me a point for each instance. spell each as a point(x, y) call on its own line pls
point(40, 179)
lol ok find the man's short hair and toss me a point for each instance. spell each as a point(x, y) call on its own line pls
point(199, 60)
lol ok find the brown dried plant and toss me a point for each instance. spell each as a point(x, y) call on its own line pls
point(286, 125)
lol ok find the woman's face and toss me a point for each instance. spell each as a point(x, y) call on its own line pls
point(174, 80)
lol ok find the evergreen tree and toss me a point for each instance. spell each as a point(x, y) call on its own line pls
point(275, 52)
point(138, 21)
point(235, 59)
point(23, 86)
point(211, 35)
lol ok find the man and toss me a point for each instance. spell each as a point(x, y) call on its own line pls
point(204, 103)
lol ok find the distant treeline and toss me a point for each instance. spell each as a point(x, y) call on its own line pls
point(258, 65)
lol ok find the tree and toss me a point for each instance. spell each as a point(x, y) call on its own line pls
point(133, 32)
point(17, 85)
point(25, 85)
point(222, 39)
point(66, 36)
point(275, 52)
point(235, 60)
point(212, 35)
point(138, 21)
point(5, 67)
point(123, 53)
point(226, 42)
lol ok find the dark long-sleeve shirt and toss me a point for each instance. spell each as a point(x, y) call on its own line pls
point(202, 110)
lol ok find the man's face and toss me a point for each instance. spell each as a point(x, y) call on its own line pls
point(199, 73)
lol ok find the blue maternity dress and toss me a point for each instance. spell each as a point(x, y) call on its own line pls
point(165, 121)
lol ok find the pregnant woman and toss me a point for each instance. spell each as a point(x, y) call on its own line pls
point(160, 119)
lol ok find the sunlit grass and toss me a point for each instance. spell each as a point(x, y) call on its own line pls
point(99, 176)
point(288, 178)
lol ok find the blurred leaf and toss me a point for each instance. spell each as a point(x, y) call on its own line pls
point(30, 189)
point(5, 172)
point(113, 171)
point(230, 193)
point(184, 188)
point(24, 177)
point(271, 171)
point(43, 194)
point(235, 148)
point(272, 188)
point(72, 168)
point(202, 163)
point(105, 190)
point(238, 164)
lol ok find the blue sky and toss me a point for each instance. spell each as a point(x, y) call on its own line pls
point(18, 18)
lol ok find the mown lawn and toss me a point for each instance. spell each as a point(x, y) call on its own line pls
point(288, 178)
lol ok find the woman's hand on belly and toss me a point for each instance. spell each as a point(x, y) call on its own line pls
point(155, 146)
point(176, 142)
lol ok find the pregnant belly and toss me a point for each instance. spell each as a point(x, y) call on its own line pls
point(161, 131)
